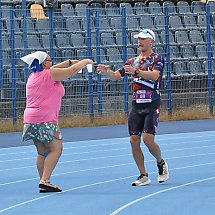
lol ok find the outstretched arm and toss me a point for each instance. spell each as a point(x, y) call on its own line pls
point(59, 73)
point(105, 69)
point(65, 64)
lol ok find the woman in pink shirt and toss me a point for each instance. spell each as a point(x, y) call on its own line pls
point(44, 92)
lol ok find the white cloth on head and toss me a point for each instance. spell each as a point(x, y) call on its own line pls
point(39, 55)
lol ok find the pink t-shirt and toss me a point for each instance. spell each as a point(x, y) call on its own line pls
point(43, 98)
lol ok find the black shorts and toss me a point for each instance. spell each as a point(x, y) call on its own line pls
point(143, 118)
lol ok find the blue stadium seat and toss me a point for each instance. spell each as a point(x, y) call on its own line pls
point(175, 22)
point(171, 7)
point(19, 42)
point(34, 42)
point(5, 42)
point(131, 52)
point(171, 37)
point(119, 39)
point(197, 7)
point(187, 52)
point(174, 53)
point(196, 37)
point(132, 23)
point(80, 9)
point(107, 39)
point(78, 40)
point(111, 9)
point(201, 21)
point(159, 22)
point(183, 7)
point(201, 51)
point(180, 68)
point(63, 41)
point(73, 24)
point(195, 68)
point(68, 54)
point(16, 26)
point(128, 7)
point(67, 10)
point(102, 56)
point(140, 8)
point(155, 8)
point(181, 37)
point(45, 41)
point(104, 24)
point(189, 21)
point(146, 22)
point(116, 23)
point(42, 25)
point(30, 26)
point(205, 67)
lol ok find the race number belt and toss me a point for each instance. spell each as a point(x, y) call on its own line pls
point(142, 96)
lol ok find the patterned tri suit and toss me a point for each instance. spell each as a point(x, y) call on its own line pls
point(144, 115)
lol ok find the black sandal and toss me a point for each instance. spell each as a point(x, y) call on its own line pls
point(46, 187)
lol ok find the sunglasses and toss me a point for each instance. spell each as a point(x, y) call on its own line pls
point(145, 31)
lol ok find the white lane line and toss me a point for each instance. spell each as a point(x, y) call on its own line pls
point(161, 137)
point(102, 150)
point(104, 167)
point(112, 156)
point(94, 184)
point(117, 211)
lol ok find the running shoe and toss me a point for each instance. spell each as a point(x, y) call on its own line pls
point(143, 179)
point(163, 172)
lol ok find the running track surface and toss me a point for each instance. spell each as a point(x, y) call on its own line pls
point(96, 170)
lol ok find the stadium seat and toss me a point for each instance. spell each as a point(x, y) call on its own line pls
point(140, 8)
point(174, 52)
point(189, 21)
point(19, 42)
point(42, 25)
point(155, 8)
point(159, 50)
point(180, 68)
point(128, 7)
point(114, 57)
point(102, 56)
point(16, 26)
point(84, 24)
point(196, 37)
point(187, 52)
point(107, 39)
point(95, 6)
point(37, 12)
point(159, 22)
point(197, 7)
point(63, 41)
point(133, 40)
point(201, 21)
point(146, 22)
point(119, 39)
point(6, 60)
point(5, 10)
point(183, 7)
point(213, 20)
point(5, 42)
point(81, 54)
point(212, 6)
point(181, 37)
point(104, 24)
point(67, 10)
point(201, 51)
point(45, 41)
point(205, 67)
point(68, 54)
point(175, 22)
point(171, 7)
point(30, 26)
point(80, 9)
point(131, 52)
point(116, 23)
point(73, 24)
point(195, 68)
point(111, 9)
point(171, 37)
point(34, 42)
point(132, 23)
point(78, 40)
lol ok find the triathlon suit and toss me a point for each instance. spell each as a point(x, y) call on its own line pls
point(144, 115)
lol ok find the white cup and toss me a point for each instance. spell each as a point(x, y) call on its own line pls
point(89, 67)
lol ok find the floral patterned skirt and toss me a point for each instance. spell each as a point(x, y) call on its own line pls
point(44, 132)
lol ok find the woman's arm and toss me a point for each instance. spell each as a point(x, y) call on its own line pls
point(65, 64)
point(60, 73)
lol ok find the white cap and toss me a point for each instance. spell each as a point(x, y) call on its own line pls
point(39, 55)
point(145, 33)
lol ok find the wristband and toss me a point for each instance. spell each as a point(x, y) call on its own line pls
point(70, 63)
point(137, 72)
